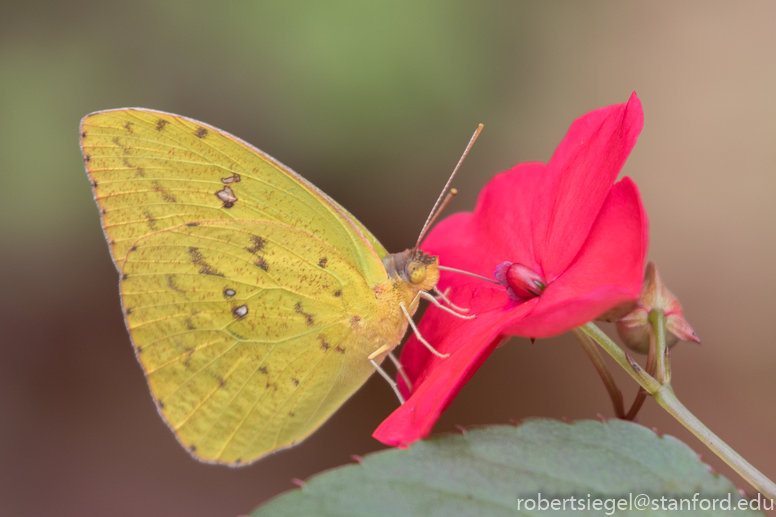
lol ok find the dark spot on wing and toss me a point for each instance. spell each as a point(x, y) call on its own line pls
point(88, 158)
point(83, 135)
point(128, 127)
point(323, 261)
point(139, 349)
point(257, 244)
point(201, 132)
point(128, 312)
point(160, 124)
point(124, 276)
point(160, 403)
point(261, 263)
point(295, 381)
point(94, 183)
point(340, 349)
point(324, 344)
point(192, 448)
point(165, 193)
point(229, 292)
point(338, 293)
point(238, 461)
point(139, 171)
point(150, 219)
point(189, 353)
point(189, 326)
point(238, 336)
point(171, 284)
point(199, 260)
point(291, 414)
point(221, 382)
point(263, 370)
point(308, 318)
point(192, 224)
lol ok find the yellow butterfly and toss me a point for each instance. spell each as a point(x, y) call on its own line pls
point(256, 304)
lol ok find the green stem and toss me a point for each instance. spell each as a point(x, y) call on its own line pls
point(626, 363)
point(641, 396)
point(590, 348)
point(658, 319)
point(664, 395)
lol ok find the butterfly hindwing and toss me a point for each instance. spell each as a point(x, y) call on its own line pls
point(250, 332)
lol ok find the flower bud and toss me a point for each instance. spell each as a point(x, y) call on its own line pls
point(521, 281)
point(634, 329)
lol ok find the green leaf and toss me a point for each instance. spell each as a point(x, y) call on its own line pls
point(486, 471)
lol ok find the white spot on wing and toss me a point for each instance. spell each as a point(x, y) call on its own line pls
point(226, 195)
point(231, 179)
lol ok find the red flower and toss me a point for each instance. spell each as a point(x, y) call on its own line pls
point(565, 240)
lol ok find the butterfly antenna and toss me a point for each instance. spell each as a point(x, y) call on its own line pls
point(445, 197)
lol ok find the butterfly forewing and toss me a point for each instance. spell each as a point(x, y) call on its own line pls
point(248, 331)
point(252, 298)
point(152, 170)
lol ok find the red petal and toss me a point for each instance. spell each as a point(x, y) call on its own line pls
point(498, 230)
point(607, 271)
point(436, 380)
point(578, 178)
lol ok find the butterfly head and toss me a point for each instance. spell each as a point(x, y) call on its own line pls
point(414, 267)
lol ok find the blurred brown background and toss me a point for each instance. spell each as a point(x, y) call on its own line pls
point(374, 104)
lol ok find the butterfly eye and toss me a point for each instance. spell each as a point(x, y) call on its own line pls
point(416, 271)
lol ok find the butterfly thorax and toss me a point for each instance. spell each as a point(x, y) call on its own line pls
point(389, 324)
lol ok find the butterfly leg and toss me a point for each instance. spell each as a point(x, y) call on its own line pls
point(400, 369)
point(443, 296)
point(418, 335)
point(390, 381)
point(396, 362)
point(433, 300)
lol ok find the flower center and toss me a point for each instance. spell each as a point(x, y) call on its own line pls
point(521, 281)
